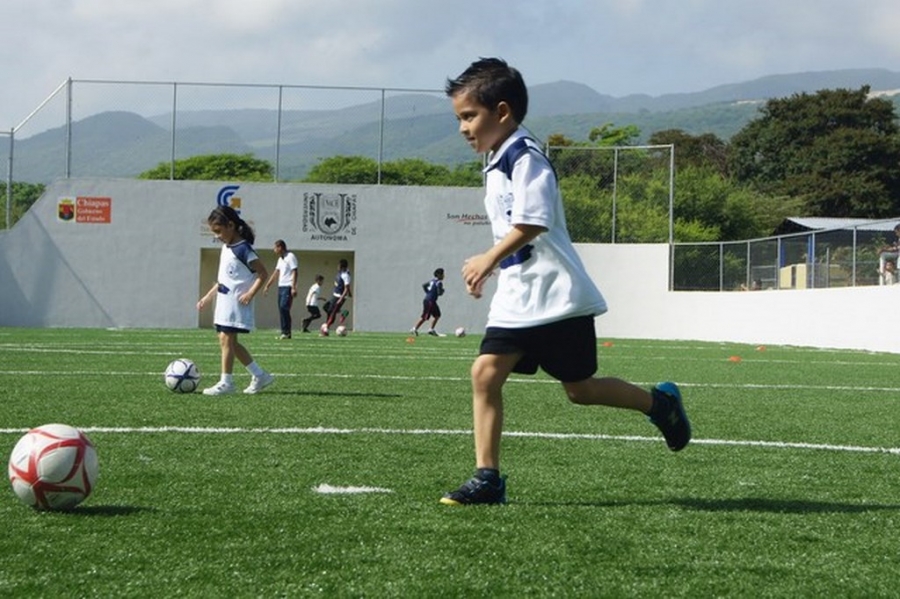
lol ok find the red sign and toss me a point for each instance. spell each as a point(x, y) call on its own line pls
point(93, 210)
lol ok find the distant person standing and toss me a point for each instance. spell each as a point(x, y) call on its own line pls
point(340, 293)
point(286, 273)
point(430, 309)
point(313, 297)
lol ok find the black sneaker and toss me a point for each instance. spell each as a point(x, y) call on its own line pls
point(669, 416)
point(477, 490)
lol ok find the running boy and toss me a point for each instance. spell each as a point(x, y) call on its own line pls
point(430, 309)
point(241, 275)
point(312, 302)
point(542, 314)
point(339, 294)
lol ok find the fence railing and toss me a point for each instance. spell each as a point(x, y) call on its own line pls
point(842, 257)
point(123, 128)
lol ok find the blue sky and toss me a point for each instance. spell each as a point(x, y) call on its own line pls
point(617, 47)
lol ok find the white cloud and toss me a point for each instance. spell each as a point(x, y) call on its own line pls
point(617, 47)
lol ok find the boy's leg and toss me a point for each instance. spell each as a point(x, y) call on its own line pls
point(609, 391)
point(662, 404)
point(489, 373)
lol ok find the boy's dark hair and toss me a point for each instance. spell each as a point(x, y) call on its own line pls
point(342, 263)
point(222, 215)
point(281, 244)
point(491, 81)
point(438, 272)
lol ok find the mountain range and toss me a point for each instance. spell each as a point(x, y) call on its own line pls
point(415, 125)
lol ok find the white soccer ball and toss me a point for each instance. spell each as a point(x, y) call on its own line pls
point(341, 331)
point(53, 467)
point(182, 376)
point(460, 332)
point(323, 330)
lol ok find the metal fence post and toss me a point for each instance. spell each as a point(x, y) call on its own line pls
point(9, 178)
point(68, 127)
point(174, 121)
point(278, 132)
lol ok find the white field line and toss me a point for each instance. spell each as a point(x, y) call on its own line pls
point(443, 354)
point(326, 489)
point(321, 430)
point(532, 381)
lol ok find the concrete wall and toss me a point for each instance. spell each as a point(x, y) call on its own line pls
point(138, 254)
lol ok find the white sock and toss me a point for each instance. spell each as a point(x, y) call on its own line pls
point(254, 369)
point(227, 378)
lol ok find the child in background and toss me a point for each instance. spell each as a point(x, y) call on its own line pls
point(430, 309)
point(542, 313)
point(312, 302)
point(241, 275)
point(339, 295)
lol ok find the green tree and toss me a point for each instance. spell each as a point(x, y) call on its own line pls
point(704, 150)
point(836, 150)
point(23, 196)
point(407, 171)
point(344, 169)
point(214, 167)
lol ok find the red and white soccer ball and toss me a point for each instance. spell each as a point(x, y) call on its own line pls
point(182, 376)
point(460, 332)
point(341, 331)
point(53, 467)
point(323, 330)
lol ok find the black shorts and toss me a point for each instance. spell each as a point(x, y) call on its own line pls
point(221, 328)
point(430, 309)
point(566, 349)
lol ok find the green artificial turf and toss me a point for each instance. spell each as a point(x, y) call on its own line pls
point(789, 488)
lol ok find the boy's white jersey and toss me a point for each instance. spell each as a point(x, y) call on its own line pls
point(235, 278)
point(312, 296)
point(545, 281)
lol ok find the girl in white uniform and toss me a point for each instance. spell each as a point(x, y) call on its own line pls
point(241, 275)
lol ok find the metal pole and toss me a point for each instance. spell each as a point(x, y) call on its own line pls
point(749, 274)
point(174, 111)
point(278, 131)
point(778, 263)
point(615, 192)
point(381, 138)
point(853, 259)
point(721, 266)
point(671, 217)
point(68, 127)
point(9, 179)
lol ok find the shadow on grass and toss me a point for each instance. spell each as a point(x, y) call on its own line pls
point(107, 510)
point(745, 504)
point(336, 394)
point(779, 506)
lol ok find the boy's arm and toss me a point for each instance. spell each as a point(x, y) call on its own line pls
point(478, 268)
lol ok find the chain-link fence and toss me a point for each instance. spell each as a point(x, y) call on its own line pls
point(121, 129)
point(620, 194)
point(841, 257)
point(612, 194)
